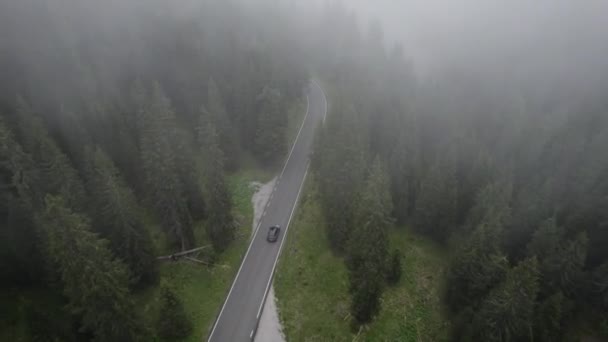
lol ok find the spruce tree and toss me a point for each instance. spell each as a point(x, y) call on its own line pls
point(172, 323)
point(22, 176)
point(548, 318)
point(477, 266)
point(21, 262)
point(561, 260)
point(218, 115)
point(339, 162)
point(57, 175)
point(491, 202)
point(165, 189)
point(436, 203)
point(220, 223)
point(117, 217)
point(367, 253)
point(270, 139)
point(508, 311)
point(402, 165)
point(95, 283)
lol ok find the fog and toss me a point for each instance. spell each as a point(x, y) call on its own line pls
point(472, 123)
point(531, 38)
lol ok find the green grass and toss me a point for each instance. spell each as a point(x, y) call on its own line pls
point(202, 289)
point(312, 287)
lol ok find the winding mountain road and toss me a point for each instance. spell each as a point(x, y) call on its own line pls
point(241, 311)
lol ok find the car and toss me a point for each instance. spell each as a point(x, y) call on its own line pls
point(273, 233)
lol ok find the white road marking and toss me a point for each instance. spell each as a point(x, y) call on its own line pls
point(251, 334)
point(257, 229)
point(293, 209)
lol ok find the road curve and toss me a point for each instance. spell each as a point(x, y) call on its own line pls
point(241, 311)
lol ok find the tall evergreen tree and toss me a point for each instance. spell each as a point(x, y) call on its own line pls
point(225, 130)
point(507, 313)
point(95, 283)
point(436, 203)
point(561, 260)
point(402, 163)
point(478, 265)
point(20, 257)
point(491, 203)
point(173, 323)
point(22, 176)
point(548, 319)
point(166, 193)
point(270, 138)
point(339, 162)
point(117, 217)
point(367, 253)
point(220, 223)
point(57, 174)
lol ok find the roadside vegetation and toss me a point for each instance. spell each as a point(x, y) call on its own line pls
point(466, 202)
point(312, 293)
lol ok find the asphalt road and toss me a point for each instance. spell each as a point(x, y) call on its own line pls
point(242, 308)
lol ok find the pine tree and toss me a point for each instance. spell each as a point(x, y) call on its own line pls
point(166, 194)
point(220, 223)
point(57, 175)
point(402, 164)
point(270, 139)
point(491, 202)
point(21, 262)
point(367, 253)
point(95, 284)
point(548, 320)
point(339, 162)
point(436, 203)
point(187, 171)
point(561, 260)
point(23, 177)
point(507, 313)
point(477, 266)
point(173, 323)
point(225, 131)
point(117, 217)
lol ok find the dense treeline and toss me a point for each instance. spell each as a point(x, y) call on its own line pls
point(115, 115)
point(513, 182)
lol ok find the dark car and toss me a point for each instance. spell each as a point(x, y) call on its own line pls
point(273, 233)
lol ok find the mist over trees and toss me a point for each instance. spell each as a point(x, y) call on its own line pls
point(508, 175)
point(116, 114)
point(119, 116)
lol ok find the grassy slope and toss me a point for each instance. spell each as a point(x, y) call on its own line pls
point(312, 287)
